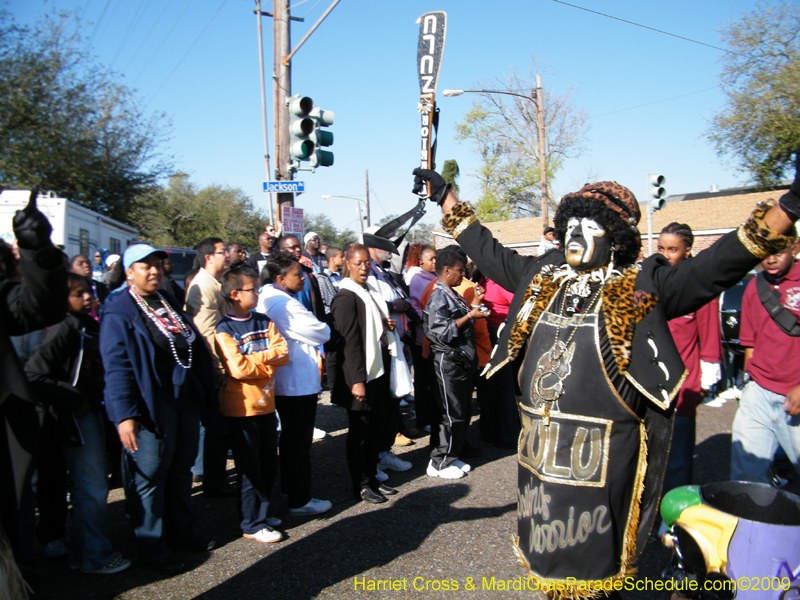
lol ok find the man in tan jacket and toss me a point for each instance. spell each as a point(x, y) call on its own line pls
point(206, 305)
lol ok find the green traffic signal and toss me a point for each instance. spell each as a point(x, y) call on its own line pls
point(307, 136)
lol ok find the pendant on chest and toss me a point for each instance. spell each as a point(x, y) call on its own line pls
point(547, 384)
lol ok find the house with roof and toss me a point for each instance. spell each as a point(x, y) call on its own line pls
point(710, 215)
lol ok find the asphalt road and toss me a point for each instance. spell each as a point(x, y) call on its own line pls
point(433, 536)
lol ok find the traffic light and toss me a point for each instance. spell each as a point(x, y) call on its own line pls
point(656, 194)
point(322, 137)
point(306, 136)
point(301, 126)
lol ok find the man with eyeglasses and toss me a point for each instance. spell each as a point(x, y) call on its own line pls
point(206, 305)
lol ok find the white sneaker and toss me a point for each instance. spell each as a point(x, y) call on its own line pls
point(381, 476)
point(313, 507)
point(319, 434)
point(462, 465)
point(451, 472)
point(395, 463)
point(266, 536)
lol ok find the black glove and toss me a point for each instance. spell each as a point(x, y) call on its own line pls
point(439, 187)
point(790, 202)
point(31, 227)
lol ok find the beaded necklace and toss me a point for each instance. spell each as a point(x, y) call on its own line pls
point(169, 327)
point(456, 298)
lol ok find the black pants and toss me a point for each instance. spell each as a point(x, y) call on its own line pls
point(424, 382)
point(215, 449)
point(455, 403)
point(367, 427)
point(499, 422)
point(51, 486)
point(255, 450)
point(297, 414)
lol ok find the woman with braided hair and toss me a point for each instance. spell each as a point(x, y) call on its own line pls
point(697, 336)
point(599, 371)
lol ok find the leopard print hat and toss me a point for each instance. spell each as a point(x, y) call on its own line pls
point(617, 197)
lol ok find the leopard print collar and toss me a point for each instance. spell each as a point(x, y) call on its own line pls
point(622, 308)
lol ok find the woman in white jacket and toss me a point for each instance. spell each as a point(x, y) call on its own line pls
point(298, 382)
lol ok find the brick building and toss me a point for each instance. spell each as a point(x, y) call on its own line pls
point(709, 214)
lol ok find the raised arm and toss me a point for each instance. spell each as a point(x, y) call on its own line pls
point(506, 266)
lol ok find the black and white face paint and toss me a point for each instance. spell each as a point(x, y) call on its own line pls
point(587, 246)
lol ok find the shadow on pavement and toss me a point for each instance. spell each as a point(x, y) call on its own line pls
point(352, 546)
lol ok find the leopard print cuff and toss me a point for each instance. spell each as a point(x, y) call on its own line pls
point(458, 219)
point(758, 238)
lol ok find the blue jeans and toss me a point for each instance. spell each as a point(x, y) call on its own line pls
point(759, 427)
point(90, 547)
point(681, 454)
point(255, 449)
point(158, 481)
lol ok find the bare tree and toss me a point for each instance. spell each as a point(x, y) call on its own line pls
point(504, 130)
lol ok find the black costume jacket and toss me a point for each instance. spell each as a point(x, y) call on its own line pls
point(38, 301)
point(636, 308)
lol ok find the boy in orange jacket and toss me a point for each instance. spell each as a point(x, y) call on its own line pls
point(251, 349)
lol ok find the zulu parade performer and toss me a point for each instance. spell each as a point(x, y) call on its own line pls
point(598, 370)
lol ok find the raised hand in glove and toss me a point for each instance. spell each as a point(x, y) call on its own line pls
point(31, 227)
point(437, 185)
point(790, 202)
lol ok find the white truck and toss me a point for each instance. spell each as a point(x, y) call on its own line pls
point(76, 230)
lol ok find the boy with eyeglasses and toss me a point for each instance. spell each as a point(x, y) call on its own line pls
point(251, 349)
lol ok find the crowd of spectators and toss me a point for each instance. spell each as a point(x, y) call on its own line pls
point(235, 358)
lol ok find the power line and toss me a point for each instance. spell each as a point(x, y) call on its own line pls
point(146, 37)
point(197, 39)
point(613, 112)
point(183, 12)
point(646, 27)
point(128, 33)
point(97, 25)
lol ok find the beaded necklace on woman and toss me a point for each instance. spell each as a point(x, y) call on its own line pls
point(170, 327)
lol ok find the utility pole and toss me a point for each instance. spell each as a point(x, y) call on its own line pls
point(283, 90)
point(264, 103)
point(542, 156)
point(369, 223)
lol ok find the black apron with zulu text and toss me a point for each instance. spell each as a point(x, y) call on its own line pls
point(576, 433)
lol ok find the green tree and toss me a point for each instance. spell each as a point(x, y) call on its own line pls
point(182, 215)
point(450, 173)
point(68, 126)
point(504, 131)
point(327, 231)
point(759, 128)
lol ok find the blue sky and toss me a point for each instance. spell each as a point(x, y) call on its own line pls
point(649, 96)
